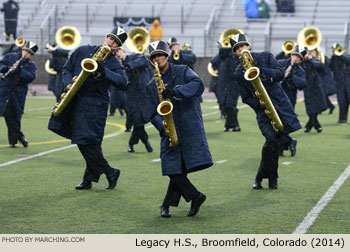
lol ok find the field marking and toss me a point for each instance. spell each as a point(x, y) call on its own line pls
point(221, 161)
point(287, 162)
point(73, 145)
point(322, 203)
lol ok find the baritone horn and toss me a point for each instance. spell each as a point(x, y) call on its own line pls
point(227, 34)
point(138, 40)
point(310, 37)
point(252, 75)
point(288, 47)
point(68, 37)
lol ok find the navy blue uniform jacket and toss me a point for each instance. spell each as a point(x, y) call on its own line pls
point(15, 86)
point(84, 119)
point(187, 57)
point(277, 95)
point(340, 66)
point(193, 146)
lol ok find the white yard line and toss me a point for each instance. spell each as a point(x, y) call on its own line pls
point(322, 203)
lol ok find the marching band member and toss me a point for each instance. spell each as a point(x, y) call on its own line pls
point(18, 70)
point(314, 95)
point(183, 88)
point(294, 80)
point(136, 68)
point(181, 57)
point(271, 74)
point(84, 119)
point(340, 65)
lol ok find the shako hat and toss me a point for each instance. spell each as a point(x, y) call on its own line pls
point(158, 48)
point(300, 51)
point(237, 40)
point(31, 47)
point(173, 41)
point(118, 34)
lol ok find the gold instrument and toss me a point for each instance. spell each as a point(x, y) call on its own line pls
point(164, 109)
point(68, 37)
point(20, 42)
point(176, 55)
point(227, 34)
point(211, 70)
point(252, 75)
point(48, 69)
point(186, 46)
point(138, 40)
point(309, 37)
point(89, 66)
point(338, 50)
point(288, 47)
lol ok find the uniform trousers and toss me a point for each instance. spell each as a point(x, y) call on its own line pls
point(231, 117)
point(96, 164)
point(269, 160)
point(13, 125)
point(180, 185)
point(137, 134)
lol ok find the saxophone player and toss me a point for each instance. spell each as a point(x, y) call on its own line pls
point(271, 74)
point(183, 88)
point(17, 70)
point(84, 119)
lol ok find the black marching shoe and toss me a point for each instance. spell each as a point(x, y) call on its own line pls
point(332, 107)
point(131, 148)
point(307, 130)
point(236, 129)
point(13, 146)
point(257, 184)
point(226, 129)
point(165, 212)
point(273, 184)
point(24, 142)
point(113, 179)
point(319, 130)
point(293, 147)
point(149, 147)
point(85, 184)
point(342, 121)
point(196, 204)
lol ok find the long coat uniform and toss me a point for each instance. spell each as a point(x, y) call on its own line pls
point(276, 93)
point(219, 87)
point(314, 94)
point(136, 68)
point(193, 147)
point(84, 119)
point(10, 17)
point(57, 61)
point(295, 81)
point(339, 66)
point(327, 78)
point(13, 90)
point(187, 57)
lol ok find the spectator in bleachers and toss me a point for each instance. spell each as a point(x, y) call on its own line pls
point(156, 31)
point(10, 9)
point(251, 8)
point(263, 9)
point(286, 6)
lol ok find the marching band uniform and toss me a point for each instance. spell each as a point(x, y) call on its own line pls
point(14, 89)
point(328, 84)
point(57, 61)
point(228, 63)
point(271, 74)
point(84, 119)
point(294, 80)
point(219, 88)
point(136, 68)
point(184, 88)
point(10, 9)
point(340, 66)
point(314, 95)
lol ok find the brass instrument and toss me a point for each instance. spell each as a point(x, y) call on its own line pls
point(164, 109)
point(252, 75)
point(68, 37)
point(309, 37)
point(186, 46)
point(338, 50)
point(89, 66)
point(288, 47)
point(176, 55)
point(138, 40)
point(48, 69)
point(227, 34)
point(20, 42)
point(211, 70)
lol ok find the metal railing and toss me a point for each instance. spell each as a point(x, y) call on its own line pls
point(48, 27)
point(209, 29)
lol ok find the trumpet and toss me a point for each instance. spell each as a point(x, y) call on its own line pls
point(252, 75)
point(165, 109)
point(20, 42)
point(288, 47)
point(176, 55)
point(338, 50)
point(89, 66)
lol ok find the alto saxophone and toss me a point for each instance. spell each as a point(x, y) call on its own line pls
point(165, 108)
point(252, 75)
point(89, 66)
